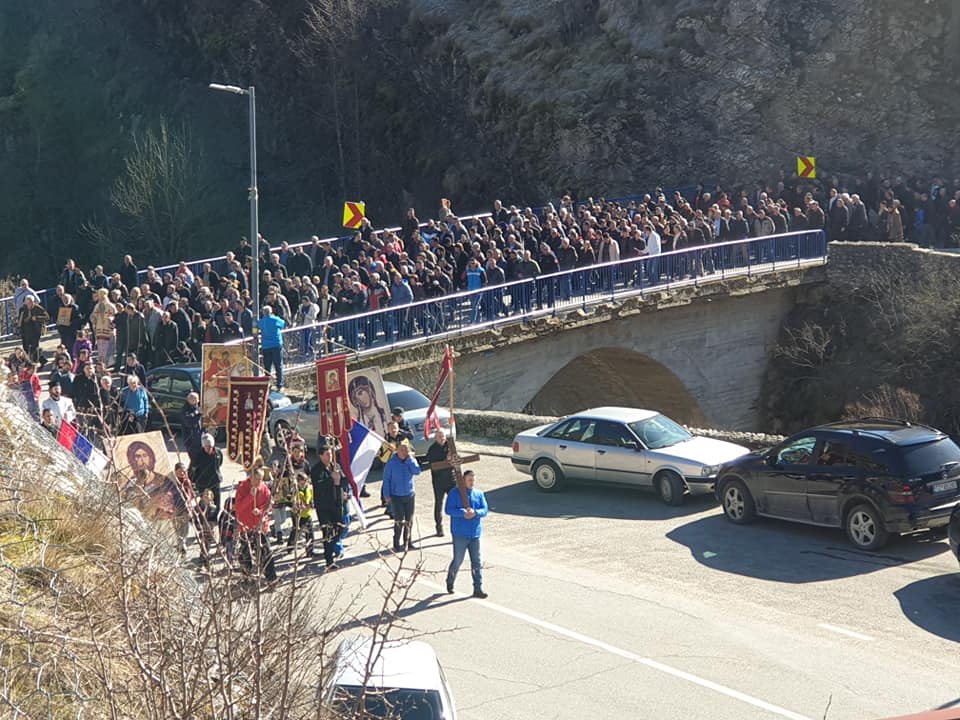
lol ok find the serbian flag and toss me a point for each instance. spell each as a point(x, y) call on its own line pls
point(433, 420)
point(364, 447)
point(81, 447)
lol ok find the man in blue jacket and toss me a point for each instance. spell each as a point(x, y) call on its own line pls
point(398, 493)
point(465, 528)
point(136, 406)
point(271, 343)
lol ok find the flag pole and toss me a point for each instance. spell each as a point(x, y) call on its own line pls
point(451, 441)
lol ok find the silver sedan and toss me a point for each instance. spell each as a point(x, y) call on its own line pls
point(623, 446)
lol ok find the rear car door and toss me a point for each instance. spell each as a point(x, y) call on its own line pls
point(834, 468)
point(616, 457)
point(181, 385)
point(784, 480)
point(158, 390)
point(571, 445)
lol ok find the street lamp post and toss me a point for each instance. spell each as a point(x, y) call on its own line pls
point(254, 211)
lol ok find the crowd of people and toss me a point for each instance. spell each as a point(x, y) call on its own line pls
point(164, 318)
point(127, 321)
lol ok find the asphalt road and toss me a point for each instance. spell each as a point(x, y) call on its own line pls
point(604, 603)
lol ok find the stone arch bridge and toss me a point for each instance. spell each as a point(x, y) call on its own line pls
point(698, 354)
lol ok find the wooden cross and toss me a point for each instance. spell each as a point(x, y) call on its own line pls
point(455, 460)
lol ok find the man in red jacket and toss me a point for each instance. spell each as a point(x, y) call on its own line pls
point(253, 507)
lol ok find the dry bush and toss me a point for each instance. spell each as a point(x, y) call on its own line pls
point(100, 619)
point(889, 402)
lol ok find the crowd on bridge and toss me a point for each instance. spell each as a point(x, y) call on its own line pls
point(161, 318)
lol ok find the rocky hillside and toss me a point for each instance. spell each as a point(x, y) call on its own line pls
point(401, 101)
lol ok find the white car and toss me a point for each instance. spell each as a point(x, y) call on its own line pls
point(399, 679)
point(623, 446)
point(304, 417)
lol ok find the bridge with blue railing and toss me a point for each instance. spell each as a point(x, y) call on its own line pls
point(522, 300)
point(8, 309)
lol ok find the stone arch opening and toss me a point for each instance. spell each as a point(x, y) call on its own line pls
point(617, 376)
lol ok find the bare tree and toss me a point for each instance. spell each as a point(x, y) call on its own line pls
point(99, 617)
point(162, 190)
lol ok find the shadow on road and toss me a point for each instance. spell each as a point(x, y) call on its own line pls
point(793, 553)
point(931, 604)
point(606, 501)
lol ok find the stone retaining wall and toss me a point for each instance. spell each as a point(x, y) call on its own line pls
point(849, 260)
point(502, 426)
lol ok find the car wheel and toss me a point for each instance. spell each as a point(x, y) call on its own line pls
point(281, 433)
point(547, 475)
point(865, 528)
point(737, 503)
point(670, 487)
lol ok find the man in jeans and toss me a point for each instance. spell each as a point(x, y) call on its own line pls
point(398, 493)
point(465, 528)
point(271, 342)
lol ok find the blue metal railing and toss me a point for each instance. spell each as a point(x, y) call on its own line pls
point(521, 300)
point(8, 310)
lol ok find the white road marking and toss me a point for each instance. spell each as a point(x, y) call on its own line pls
point(844, 631)
point(648, 662)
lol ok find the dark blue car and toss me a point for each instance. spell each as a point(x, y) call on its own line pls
point(872, 477)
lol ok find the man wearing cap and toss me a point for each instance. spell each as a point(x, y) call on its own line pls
point(396, 414)
point(205, 468)
point(271, 343)
point(398, 492)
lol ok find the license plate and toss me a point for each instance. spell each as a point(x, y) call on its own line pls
point(943, 486)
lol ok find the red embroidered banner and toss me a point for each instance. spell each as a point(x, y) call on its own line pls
point(245, 420)
point(332, 396)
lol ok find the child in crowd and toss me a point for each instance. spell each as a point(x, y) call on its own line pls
point(207, 521)
point(228, 529)
point(301, 512)
point(81, 343)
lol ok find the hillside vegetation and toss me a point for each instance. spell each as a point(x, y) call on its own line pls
point(398, 102)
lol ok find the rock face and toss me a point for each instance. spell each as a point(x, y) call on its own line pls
point(606, 95)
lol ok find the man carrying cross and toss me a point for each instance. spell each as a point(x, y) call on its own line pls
point(441, 473)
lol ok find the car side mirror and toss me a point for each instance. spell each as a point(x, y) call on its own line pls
point(632, 444)
point(771, 460)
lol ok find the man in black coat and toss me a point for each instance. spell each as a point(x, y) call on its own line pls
point(299, 263)
point(33, 323)
point(205, 468)
point(191, 424)
point(859, 228)
point(168, 336)
point(328, 500)
point(442, 478)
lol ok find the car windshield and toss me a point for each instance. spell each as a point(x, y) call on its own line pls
point(398, 703)
point(659, 432)
point(930, 457)
point(408, 399)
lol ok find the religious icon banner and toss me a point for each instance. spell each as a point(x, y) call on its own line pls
point(332, 396)
point(368, 399)
point(220, 363)
point(246, 417)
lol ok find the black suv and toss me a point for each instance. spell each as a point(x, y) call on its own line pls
point(872, 477)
